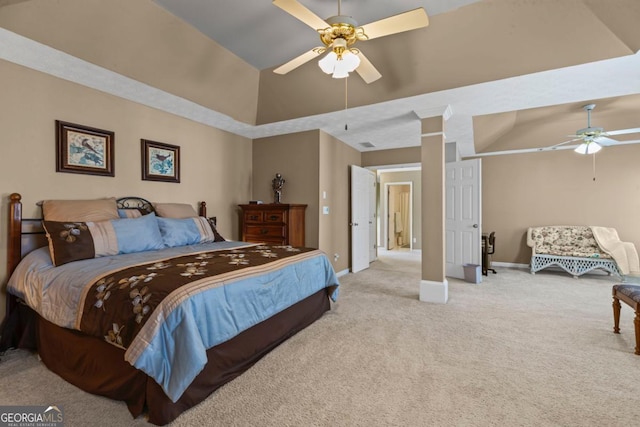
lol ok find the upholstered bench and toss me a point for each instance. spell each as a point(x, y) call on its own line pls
point(629, 294)
point(570, 247)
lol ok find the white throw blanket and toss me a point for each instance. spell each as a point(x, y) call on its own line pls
point(623, 253)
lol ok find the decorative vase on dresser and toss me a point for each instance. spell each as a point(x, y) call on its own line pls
point(276, 223)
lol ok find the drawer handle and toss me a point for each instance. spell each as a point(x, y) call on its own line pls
point(264, 231)
point(274, 217)
point(253, 217)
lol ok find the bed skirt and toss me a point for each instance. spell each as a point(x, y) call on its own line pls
point(97, 367)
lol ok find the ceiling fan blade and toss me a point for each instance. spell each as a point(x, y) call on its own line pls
point(623, 131)
point(411, 20)
point(604, 141)
point(297, 61)
point(366, 70)
point(295, 9)
point(553, 147)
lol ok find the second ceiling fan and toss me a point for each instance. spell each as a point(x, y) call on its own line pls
point(592, 138)
point(338, 35)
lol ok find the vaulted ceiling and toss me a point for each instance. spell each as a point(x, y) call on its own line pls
point(502, 69)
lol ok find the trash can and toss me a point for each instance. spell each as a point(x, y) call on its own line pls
point(472, 273)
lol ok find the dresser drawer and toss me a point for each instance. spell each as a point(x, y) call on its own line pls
point(273, 216)
point(265, 231)
point(279, 224)
point(254, 216)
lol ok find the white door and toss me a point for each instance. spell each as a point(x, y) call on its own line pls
point(373, 235)
point(360, 180)
point(463, 216)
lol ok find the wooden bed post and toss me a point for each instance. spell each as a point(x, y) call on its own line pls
point(203, 209)
point(14, 246)
point(14, 240)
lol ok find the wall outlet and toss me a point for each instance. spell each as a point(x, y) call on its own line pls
point(325, 210)
point(415, 240)
point(335, 257)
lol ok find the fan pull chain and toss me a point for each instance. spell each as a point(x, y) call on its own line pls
point(346, 92)
point(594, 166)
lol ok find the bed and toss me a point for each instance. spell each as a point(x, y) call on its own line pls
point(163, 326)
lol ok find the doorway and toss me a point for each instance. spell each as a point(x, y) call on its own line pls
point(399, 218)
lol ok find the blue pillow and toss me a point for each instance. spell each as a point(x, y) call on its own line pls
point(138, 234)
point(129, 213)
point(185, 231)
point(73, 241)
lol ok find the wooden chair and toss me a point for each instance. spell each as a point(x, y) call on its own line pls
point(629, 294)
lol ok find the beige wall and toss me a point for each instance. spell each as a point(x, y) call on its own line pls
point(415, 178)
point(397, 156)
point(311, 162)
point(296, 157)
point(557, 188)
point(216, 165)
point(335, 233)
point(141, 40)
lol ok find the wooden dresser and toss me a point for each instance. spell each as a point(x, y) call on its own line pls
point(279, 223)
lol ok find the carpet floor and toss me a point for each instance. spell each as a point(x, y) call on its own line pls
point(515, 350)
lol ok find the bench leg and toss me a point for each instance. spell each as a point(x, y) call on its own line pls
point(636, 321)
point(616, 315)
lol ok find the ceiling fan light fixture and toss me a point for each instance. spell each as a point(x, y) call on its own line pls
point(588, 148)
point(340, 74)
point(339, 62)
point(327, 63)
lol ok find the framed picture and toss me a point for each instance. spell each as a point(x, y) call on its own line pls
point(160, 162)
point(82, 149)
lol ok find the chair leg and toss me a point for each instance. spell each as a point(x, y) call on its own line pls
point(616, 315)
point(636, 321)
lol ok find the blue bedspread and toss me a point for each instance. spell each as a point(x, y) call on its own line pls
point(171, 347)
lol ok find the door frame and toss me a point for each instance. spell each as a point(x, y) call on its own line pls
point(385, 213)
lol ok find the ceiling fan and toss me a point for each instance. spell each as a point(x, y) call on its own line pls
point(339, 33)
point(593, 138)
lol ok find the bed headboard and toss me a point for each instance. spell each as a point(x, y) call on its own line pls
point(27, 234)
point(136, 203)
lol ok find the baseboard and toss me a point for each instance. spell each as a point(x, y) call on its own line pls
point(437, 292)
point(342, 273)
point(510, 264)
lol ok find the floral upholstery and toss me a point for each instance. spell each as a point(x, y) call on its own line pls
point(567, 240)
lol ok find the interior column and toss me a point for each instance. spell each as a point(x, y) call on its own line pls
point(433, 286)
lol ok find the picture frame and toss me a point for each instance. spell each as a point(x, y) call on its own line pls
point(160, 161)
point(84, 149)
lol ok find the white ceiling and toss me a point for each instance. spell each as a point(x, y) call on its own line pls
point(259, 33)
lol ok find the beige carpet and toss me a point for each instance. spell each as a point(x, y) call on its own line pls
point(515, 350)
